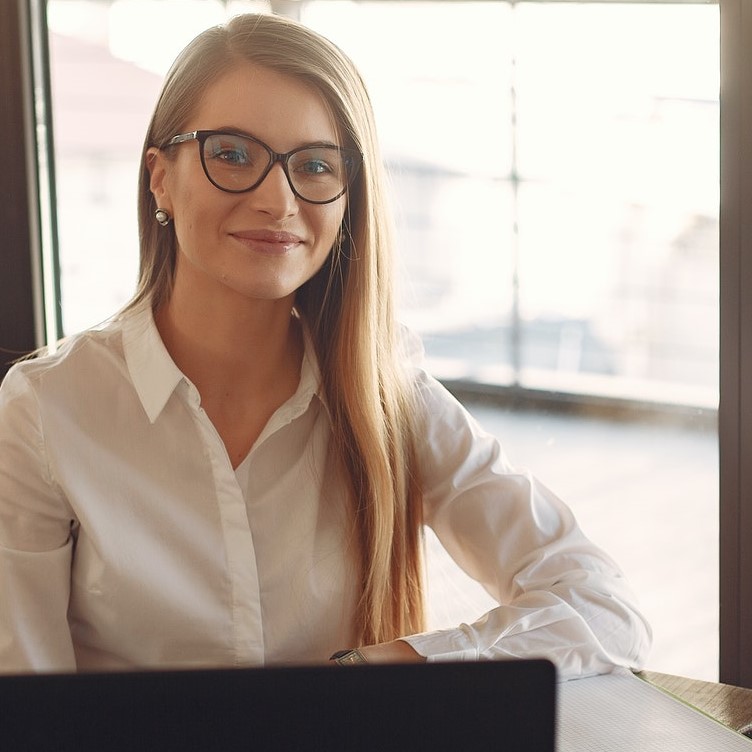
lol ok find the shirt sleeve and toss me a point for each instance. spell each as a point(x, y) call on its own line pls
point(35, 541)
point(560, 596)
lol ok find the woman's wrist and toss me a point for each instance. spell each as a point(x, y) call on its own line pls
point(397, 651)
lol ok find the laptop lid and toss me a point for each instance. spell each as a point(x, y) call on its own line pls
point(504, 706)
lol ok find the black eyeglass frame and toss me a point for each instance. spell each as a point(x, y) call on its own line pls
point(352, 159)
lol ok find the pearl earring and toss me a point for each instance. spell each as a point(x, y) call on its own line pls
point(162, 217)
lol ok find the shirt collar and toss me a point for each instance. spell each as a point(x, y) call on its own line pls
point(153, 372)
point(310, 376)
point(155, 375)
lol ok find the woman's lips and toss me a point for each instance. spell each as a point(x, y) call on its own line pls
point(268, 241)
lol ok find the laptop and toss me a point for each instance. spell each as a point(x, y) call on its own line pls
point(505, 706)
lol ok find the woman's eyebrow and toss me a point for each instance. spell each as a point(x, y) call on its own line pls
point(303, 145)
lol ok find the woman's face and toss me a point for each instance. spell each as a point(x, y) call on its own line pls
point(263, 244)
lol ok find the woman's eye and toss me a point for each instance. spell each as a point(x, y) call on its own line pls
point(229, 151)
point(315, 167)
point(231, 156)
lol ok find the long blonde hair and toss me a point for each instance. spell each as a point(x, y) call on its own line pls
point(348, 306)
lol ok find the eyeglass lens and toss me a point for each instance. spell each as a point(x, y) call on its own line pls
point(235, 163)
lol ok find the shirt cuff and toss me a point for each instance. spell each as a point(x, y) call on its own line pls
point(444, 645)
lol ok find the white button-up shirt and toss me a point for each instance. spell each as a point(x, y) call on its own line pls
point(127, 539)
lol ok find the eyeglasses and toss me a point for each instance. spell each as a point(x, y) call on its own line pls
point(237, 164)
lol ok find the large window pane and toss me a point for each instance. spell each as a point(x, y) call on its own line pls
point(108, 58)
point(618, 148)
point(443, 105)
point(585, 263)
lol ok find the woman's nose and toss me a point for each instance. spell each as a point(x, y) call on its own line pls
point(274, 196)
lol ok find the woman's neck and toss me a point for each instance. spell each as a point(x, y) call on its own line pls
point(225, 342)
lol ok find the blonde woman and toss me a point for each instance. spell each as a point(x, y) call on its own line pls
point(236, 470)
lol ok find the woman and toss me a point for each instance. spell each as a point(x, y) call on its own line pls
point(237, 469)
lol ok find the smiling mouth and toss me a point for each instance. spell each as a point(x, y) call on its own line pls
point(268, 241)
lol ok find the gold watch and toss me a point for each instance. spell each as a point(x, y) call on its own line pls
point(349, 657)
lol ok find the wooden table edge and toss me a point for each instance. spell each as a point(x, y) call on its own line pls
point(730, 705)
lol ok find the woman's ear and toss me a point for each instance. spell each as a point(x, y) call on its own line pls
point(156, 163)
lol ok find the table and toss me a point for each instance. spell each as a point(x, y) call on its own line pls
point(730, 705)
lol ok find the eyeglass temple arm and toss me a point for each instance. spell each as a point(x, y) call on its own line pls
point(182, 137)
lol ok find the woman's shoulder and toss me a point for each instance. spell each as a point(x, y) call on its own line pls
point(443, 419)
point(76, 358)
point(434, 403)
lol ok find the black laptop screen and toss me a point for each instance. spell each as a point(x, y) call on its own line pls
point(507, 706)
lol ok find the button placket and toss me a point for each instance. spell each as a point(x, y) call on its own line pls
point(242, 570)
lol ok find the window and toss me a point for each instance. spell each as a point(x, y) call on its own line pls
point(581, 268)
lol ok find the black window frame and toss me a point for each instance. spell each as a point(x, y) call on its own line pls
point(735, 410)
point(20, 315)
